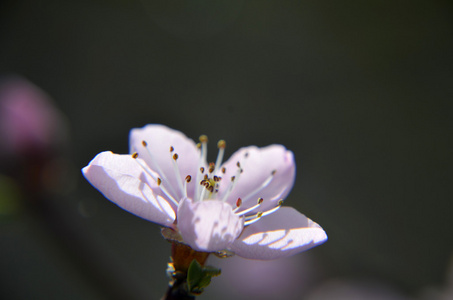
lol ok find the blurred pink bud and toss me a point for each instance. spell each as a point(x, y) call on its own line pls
point(29, 122)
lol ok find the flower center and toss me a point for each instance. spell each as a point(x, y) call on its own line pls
point(209, 177)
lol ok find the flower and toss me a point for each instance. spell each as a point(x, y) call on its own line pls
point(234, 206)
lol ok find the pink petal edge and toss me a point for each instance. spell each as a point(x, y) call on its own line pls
point(283, 233)
point(121, 180)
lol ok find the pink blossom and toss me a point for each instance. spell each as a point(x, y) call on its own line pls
point(29, 122)
point(234, 206)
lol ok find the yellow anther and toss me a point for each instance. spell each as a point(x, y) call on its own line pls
point(221, 144)
point(144, 143)
point(203, 138)
point(159, 181)
point(134, 155)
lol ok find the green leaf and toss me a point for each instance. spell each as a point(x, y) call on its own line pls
point(198, 277)
point(194, 274)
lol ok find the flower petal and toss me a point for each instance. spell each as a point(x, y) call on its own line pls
point(283, 233)
point(121, 179)
point(159, 139)
point(257, 165)
point(208, 225)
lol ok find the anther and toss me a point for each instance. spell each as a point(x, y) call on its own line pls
point(221, 144)
point(216, 178)
point(198, 145)
point(144, 143)
point(202, 170)
point(273, 172)
point(203, 138)
point(172, 149)
point(232, 178)
point(186, 181)
point(238, 164)
point(206, 177)
point(159, 181)
point(252, 219)
point(175, 156)
point(134, 155)
point(238, 202)
point(247, 210)
point(223, 170)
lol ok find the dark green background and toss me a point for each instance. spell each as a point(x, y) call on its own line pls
point(360, 91)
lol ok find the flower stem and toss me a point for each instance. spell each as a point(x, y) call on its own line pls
point(182, 256)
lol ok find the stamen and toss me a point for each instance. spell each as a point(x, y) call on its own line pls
point(186, 181)
point(221, 145)
point(211, 167)
point(252, 219)
point(203, 191)
point(134, 155)
point(272, 210)
point(223, 170)
point(258, 204)
point(158, 170)
point(158, 181)
point(257, 215)
point(261, 187)
point(234, 179)
point(177, 173)
point(238, 204)
point(201, 162)
point(188, 178)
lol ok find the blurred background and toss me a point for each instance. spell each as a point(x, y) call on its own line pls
point(360, 91)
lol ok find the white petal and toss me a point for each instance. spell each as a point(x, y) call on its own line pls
point(159, 138)
point(208, 225)
point(258, 165)
point(123, 181)
point(283, 233)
